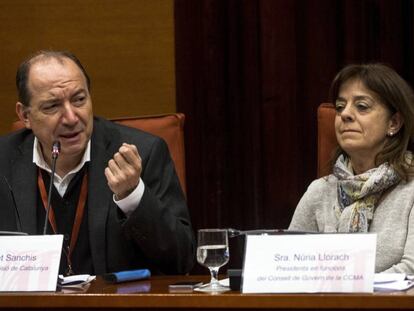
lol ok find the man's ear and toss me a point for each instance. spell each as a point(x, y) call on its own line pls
point(395, 124)
point(22, 112)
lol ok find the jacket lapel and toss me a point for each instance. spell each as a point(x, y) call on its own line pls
point(99, 198)
point(23, 184)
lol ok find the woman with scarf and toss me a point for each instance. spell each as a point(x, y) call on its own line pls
point(371, 188)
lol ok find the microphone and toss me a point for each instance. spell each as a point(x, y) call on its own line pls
point(55, 151)
point(55, 154)
point(16, 214)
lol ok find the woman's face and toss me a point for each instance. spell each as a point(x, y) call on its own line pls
point(362, 122)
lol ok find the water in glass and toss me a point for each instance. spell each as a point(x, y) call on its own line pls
point(213, 253)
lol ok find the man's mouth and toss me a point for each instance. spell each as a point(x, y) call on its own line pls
point(69, 135)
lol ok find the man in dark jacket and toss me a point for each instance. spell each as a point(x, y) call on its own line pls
point(116, 197)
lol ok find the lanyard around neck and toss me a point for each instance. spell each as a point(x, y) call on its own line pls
point(80, 209)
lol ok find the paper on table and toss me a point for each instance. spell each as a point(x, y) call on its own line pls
point(392, 282)
point(78, 280)
point(380, 278)
point(225, 282)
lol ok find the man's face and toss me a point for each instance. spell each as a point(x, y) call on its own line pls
point(60, 107)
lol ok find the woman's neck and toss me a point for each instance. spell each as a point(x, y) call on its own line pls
point(360, 166)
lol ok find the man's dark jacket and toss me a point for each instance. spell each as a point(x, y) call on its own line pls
point(158, 234)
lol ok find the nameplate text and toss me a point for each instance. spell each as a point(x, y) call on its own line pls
point(309, 263)
point(29, 263)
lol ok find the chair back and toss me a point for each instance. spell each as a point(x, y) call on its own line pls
point(168, 126)
point(326, 138)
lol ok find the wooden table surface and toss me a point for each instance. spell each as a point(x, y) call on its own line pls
point(153, 294)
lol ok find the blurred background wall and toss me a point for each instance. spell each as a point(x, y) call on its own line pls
point(248, 74)
point(127, 47)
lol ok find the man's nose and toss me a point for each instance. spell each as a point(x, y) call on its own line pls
point(69, 115)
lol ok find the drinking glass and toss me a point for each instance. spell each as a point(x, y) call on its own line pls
point(213, 253)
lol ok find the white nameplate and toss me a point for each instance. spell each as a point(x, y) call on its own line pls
point(29, 263)
point(309, 263)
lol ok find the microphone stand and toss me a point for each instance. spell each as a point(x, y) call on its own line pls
point(55, 154)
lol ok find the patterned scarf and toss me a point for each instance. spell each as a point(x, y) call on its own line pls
point(361, 192)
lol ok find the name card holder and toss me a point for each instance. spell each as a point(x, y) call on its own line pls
point(309, 263)
point(29, 263)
